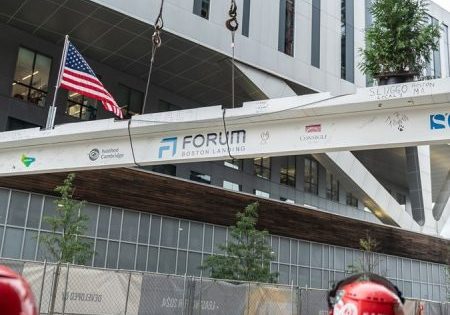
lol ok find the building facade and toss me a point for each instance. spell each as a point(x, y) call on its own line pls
point(283, 48)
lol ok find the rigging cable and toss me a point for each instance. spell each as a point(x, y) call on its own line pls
point(156, 43)
point(232, 25)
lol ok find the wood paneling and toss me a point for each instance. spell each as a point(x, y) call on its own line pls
point(143, 191)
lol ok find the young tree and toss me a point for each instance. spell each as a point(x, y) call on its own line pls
point(247, 255)
point(368, 261)
point(400, 40)
point(64, 242)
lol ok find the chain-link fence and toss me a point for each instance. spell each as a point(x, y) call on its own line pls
point(77, 290)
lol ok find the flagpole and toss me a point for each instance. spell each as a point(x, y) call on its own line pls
point(52, 110)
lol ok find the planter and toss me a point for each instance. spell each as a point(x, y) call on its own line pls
point(395, 78)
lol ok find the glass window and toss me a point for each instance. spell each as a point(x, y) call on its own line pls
point(116, 219)
point(130, 100)
point(246, 18)
point(43, 252)
point(199, 177)
point(167, 260)
point(130, 226)
point(181, 262)
point(13, 243)
point(352, 200)
point(100, 253)
point(126, 257)
point(152, 259)
point(49, 211)
point(347, 40)
point(34, 211)
point(316, 279)
point(91, 211)
point(303, 277)
point(31, 76)
point(196, 237)
point(262, 167)
point(165, 106)
point(155, 230)
point(207, 246)
point(169, 232)
point(294, 252)
point(184, 234)
point(103, 222)
point(168, 169)
point(4, 200)
point(261, 193)
point(113, 251)
point(220, 238)
point(316, 255)
point(286, 30)
point(18, 208)
point(283, 276)
point(201, 8)
point(144, 227)
point(284, 250)
point(446, 60)
point(311, 180)
point(332, 187)
point(287, 170)
point(81, 107)
point(231, 186)
point(194, 263)
point(29, 245)
point(303, 253)
point(315, 35)
point(141, 259)
point(236, 164)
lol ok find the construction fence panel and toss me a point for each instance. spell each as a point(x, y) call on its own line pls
point(78, 290)
point(214, 297)
point(313, 302)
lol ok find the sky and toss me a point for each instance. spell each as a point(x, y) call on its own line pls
point(443, 3)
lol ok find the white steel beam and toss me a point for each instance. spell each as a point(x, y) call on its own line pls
point(379, 117)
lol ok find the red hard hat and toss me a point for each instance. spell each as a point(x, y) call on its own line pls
point(364, 294)
point(16, 297)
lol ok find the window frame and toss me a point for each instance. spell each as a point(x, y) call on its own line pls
point(260, 168)
point(30, 86)
point(309, 185)
point(285, 177)
point(83, 106)
point(332, 194)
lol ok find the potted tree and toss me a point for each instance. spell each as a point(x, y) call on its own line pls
point(400, 41)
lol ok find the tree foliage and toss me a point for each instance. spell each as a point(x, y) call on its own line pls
point(64, 242)
point(247, 255)
point(401, 38)
point(368, 262)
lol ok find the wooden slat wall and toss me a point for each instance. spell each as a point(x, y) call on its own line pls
point(149, 192)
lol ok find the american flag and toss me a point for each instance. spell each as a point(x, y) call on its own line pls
point(313, 128)
point(78, 77)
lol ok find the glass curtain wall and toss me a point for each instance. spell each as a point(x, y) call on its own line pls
point(135, 240)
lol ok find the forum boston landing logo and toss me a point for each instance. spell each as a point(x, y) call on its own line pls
point(209, 144)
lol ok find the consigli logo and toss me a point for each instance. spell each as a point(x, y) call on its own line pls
point(439, 121)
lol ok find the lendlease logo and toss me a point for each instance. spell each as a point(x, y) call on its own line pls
point(439, 121)
point(213, 143)
point(168, 144)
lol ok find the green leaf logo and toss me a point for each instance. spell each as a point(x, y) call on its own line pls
point(27, 160)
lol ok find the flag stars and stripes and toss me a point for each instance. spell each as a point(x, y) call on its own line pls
point(78, 76)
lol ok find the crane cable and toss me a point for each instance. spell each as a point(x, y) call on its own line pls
point(232, 25)
point(156, 43)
